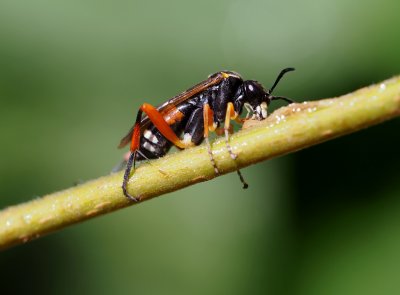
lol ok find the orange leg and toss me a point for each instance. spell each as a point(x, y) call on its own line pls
point(239, 120)
point(221, 131)
point(230, 115)
point(162, 125)
point(208, 118)
point(134, 147)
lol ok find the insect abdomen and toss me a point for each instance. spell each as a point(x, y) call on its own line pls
point(152, 143)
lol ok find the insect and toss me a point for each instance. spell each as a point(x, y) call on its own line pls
point(207, 106)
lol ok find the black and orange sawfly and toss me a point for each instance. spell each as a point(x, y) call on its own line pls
point(186, 119)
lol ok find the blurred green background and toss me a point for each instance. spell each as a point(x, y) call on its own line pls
point(325, 220)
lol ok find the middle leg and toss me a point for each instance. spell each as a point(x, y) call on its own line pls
point(230, 115)
point(208, 119)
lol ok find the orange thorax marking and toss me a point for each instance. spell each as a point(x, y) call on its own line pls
point(172, 115)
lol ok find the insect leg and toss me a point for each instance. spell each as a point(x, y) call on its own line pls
point(135, 142)
point(208, 124)
point(162, 125)
point(126, 177)
point(232, 115)
point(239, 120)
point(159, 122)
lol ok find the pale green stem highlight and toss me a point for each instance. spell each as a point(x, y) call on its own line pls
point(288, 129)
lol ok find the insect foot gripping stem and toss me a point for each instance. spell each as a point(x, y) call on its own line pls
point(126, 177)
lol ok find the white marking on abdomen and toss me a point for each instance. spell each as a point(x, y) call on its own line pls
point(150, 136)
point(149, 147)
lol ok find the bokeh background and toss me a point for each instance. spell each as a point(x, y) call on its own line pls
point(325, 220)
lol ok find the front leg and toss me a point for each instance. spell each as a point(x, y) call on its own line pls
point(209, 125)
point(231, 114)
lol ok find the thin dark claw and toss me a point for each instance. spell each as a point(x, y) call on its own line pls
point(130, 197)
point(245, 185)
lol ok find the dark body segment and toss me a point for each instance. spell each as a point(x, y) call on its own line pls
point(226, 93)
point(195, 127)
point(153, 144)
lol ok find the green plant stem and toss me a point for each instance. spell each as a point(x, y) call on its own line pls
point(288, 129)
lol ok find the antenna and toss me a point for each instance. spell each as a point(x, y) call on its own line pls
point(283, 72)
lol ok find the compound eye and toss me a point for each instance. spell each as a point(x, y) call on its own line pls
point(254, 88)
point(250, 88)
point(254, 93)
